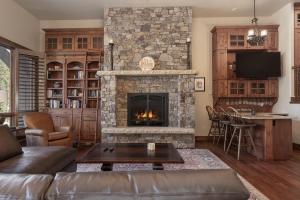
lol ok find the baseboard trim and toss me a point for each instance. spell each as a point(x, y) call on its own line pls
point(296, 146)
point(202, 138)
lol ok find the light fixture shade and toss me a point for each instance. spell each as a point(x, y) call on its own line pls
point(250, 32)
point(263, 33)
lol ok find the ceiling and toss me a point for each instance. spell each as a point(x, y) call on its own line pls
point(93, 9)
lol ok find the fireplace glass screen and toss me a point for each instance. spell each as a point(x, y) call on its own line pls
point(147, 109)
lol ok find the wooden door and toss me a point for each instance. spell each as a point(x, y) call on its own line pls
point(222, 88)
point(272, 40)
point(297, 47)
point(96, 42)
point(61, 117)
point(52, 43)
point(221, 64)
point(89, 129)
point(237, 40)
point(237, 88)
point(258, 88)
point(68, 43)
point(82, 42)
point(273, 88)
point(222, 40)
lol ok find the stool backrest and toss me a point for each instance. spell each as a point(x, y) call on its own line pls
point(223, 115)
point(234, 116)
point(211, 113)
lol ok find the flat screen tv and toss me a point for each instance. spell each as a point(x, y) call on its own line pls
point(258, 65)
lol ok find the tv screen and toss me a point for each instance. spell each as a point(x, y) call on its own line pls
point(258, 65)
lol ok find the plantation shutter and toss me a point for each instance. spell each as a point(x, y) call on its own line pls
point(30, 83)
point(297, 82)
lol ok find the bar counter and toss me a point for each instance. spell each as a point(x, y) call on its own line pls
point(272, 135)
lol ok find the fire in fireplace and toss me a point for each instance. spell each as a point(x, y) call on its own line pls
point(147, 109)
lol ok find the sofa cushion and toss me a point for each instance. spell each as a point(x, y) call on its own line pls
point(23, 186)
point(57, 135)
point(91, 185)
point(189, 184)
point(39, 160)
point(9, 146)
point(146, 185)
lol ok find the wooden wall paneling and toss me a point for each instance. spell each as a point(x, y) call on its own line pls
point(272, 40)
point(297, 47)
point(221, 64)
point(222, 88)
point(222, 39)
point(273, 88)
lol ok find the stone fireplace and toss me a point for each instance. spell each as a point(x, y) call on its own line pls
point(147, 109)
point(148, 106)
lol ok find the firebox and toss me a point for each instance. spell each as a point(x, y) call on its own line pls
point(147, 109)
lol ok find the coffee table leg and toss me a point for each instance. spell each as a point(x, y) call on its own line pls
point(107, 167)
point(158, 166)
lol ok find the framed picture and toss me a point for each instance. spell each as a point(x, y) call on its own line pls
point(200, 84)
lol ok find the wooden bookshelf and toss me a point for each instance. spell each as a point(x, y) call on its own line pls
point(73, 91)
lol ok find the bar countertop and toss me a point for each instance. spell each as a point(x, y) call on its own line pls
point(265, 116)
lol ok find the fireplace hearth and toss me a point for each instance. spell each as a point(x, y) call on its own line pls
point(147, 109)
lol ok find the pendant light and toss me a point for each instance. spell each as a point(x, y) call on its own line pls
point(256, 36)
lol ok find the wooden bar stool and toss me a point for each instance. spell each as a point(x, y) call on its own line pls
point(225, 126)
point(215, 129)
point(241, 130)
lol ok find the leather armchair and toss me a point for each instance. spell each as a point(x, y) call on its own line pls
point(41, 131)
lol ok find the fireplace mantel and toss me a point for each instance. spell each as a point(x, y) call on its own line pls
point(146, 73)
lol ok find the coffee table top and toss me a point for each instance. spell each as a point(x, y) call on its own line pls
point(131, 153)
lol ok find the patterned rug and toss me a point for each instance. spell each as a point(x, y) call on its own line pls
point(193, 158)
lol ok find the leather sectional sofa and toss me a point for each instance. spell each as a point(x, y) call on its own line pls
point(32, 160)
point(138, 185)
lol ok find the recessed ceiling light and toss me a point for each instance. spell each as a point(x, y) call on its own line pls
point(234, 9)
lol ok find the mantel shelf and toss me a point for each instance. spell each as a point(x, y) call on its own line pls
point(146, 73)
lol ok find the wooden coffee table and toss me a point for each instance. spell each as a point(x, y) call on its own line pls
point(108, 154)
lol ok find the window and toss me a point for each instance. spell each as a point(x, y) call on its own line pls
point(5, 80)
point(296, 98)
point(30, 84)
point(97, 42)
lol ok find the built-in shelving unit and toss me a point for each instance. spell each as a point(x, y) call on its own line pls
point(241, 93)
point(73, 91)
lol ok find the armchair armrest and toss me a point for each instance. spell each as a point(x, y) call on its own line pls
point(64, 129)
point(36, 132)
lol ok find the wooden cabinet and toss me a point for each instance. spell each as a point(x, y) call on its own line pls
point(237, 39)
point(258, 88)
point(73, 58)
point(52, 43)
point(68, 43)
point(57, 40)
point(237, 88)
point(273, 88)
point(297, 47)
point(297, 17)
point(220, 64)
point(82, 42)
point(220, 88)
point(272, 40)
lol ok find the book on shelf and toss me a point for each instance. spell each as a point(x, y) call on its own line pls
point(53, 103)
point(74, 103)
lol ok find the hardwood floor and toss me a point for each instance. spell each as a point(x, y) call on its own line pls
point(278, 180)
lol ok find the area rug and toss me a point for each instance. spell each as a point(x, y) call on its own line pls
point(193, 159)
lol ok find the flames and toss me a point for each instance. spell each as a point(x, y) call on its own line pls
point(147, 115)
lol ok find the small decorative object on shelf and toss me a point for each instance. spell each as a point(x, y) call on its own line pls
point(151, 146)
point(188, 43)
point(111, 45)
point(200, 84)
point(147, 63)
